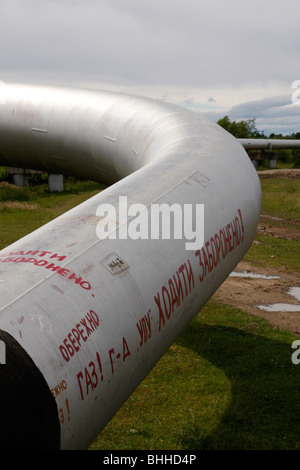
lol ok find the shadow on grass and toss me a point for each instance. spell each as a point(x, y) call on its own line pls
point(265, 407)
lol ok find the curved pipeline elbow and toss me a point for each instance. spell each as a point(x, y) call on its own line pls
point(90, 315)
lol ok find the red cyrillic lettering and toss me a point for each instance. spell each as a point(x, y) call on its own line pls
point(91, 320)
point(241, 219)
point(80, 375)
point(190, 275)
point(223, 242)
point(173, 294)
point(229, 237)
point(77, 336)
point(88, 380)
point(81, 331)
point(71, 338)
point(198, 253)
point(42, 262)
point(43, 253)
point(126, 351)
point(206, 263)
point(88, 330)
point(77, 280)
point(95, 383)
point(140, 329)
point(63, 271)
point(161, 315)
point(52, 267)
point(178, 288)
point(64, 353)
point(95, 317)
point(168, 312)
point(110, 352)
point(60, 258)
point(69, 347)
point(210, 258)
point(214, 251)
point(181, 270)
point(148, 323)
point(85, 285)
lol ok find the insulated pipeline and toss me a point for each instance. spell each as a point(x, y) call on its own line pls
point(84, 319)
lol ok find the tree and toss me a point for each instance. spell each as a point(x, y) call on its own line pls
point(241, 129)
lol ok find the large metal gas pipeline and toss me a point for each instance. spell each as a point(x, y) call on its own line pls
point(83, 316)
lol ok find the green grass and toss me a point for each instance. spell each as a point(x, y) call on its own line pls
point(228, 382)
point(281, 198)
point(274, 253)
point(23, 210)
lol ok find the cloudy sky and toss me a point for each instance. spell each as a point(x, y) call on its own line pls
point(236, 57)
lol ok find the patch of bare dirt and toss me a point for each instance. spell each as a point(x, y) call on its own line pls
point(290, 173)
point(19, 205)
point(247, 293)
point(278, 228)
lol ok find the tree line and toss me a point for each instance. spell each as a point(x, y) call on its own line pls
point(247, 129)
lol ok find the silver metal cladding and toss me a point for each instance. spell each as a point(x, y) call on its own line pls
point(94, 315)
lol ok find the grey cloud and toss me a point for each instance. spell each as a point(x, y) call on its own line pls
point(195, 43)
point(261, 107)
point(207, 44)
point(276, 114)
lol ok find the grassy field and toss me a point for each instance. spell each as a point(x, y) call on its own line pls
point(280, 201)
point(23, 210)
point(228, 382)
point(281, 198)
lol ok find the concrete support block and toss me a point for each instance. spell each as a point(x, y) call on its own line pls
point(255, 158)
point(272, 159)
point(20, 179)
point(55, 182)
